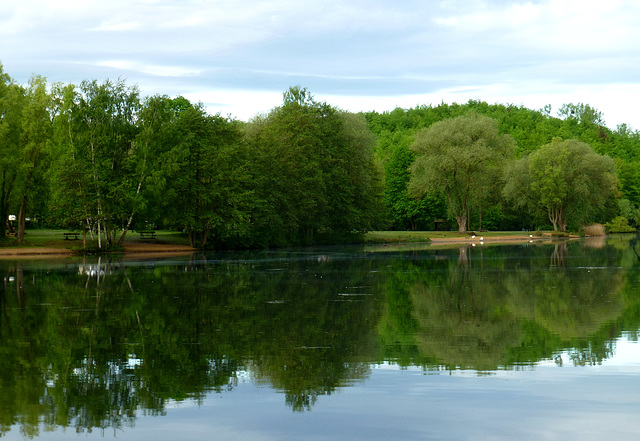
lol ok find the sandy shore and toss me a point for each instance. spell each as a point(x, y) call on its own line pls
point(129, 248)
point(490, 239)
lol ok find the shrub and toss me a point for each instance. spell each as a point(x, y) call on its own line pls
point(619, 224)
point(594, 230)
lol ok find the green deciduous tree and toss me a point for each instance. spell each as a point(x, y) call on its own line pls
point(565, 179)
point(209, 193)
point(11, 103)
point(316, 172)
point(153, 158)
point(406, 212)
point(96, 174)
point(460, 158)
point(36, 133)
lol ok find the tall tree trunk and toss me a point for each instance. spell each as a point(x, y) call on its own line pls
point(462, 223)
point(5, 196)
point(459, 209)
point(126, 228)
point(205, 236)
point(190, 235)
point(22, 222)
point(3, 210)
point(99, 236)
point(122, 237)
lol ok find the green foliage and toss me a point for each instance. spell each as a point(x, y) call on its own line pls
point(619, 224)
point(208, 176)
point(530, 129)
point(628, 210)
point(493, 217)
point(95, 172)
point(565, 179)
point(35, 145)
point(406, 212)
point(303, 174)
point(460, 158)
point(316, 173)
point(11, 106)
point(98, 157)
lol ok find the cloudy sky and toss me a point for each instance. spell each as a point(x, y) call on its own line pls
point(237, 57)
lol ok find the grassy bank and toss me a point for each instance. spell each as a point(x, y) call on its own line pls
point(427, 236)
point(56, 239)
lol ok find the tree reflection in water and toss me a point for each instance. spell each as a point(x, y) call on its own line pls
point(94, 343)
point(490, 314)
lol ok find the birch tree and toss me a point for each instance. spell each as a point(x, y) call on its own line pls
point(96, 129)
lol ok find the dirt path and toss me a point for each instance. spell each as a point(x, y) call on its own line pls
point(33, 251)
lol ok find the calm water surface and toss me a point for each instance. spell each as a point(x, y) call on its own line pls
point(535, 341)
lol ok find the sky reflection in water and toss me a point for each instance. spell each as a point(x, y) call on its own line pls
point(545, 402)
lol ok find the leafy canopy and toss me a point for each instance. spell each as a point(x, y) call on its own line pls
point(565, 179)
point(459, 157)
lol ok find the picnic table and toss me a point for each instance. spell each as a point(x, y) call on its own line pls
point(149, 234)
point(71, 236)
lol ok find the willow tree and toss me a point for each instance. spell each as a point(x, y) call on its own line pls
point(564, 179)
point(462, 159)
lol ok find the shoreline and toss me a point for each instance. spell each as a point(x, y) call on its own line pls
point(148, 249)
point(130, 249)
point(491, 239)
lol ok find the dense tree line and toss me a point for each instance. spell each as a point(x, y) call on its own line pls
point(508, 198)
point(100, 158)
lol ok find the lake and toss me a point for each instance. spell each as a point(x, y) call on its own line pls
point(530, 341)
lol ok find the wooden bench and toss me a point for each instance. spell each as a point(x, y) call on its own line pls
point(147, 234)
point(71, 236)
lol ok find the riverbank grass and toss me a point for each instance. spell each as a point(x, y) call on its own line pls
point(427, 236)
point(56, 239)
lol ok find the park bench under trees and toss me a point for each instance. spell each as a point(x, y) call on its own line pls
point(148, 234)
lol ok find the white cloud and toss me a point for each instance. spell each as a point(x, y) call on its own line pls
point(162, 71)
point(553, 25)
point(375, 52)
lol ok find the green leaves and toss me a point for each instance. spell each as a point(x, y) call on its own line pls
point(566, 179)
point(208, 180)
point(315, 173)
point(460, 158)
